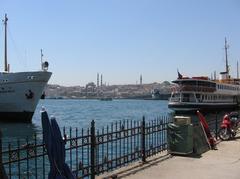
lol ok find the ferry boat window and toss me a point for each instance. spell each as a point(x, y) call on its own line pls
point(177, 95)
point(186, 97)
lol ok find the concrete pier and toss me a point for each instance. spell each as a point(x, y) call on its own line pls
point(221, 164)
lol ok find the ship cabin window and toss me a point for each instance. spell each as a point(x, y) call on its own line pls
point(5, 80)
point(198, 97)
point(205, 97)
point(176, 94)
point(186, 97)
point(199, 83)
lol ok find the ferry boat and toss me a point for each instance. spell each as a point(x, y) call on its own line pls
point(20, 91)
point(203, 93)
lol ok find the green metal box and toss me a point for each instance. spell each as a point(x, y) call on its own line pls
point(180, 138)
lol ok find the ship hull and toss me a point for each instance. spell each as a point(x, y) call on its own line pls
point(16, 116)
point(20, 93)
point(184, 107)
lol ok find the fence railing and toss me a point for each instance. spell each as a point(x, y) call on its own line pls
point(89, 152)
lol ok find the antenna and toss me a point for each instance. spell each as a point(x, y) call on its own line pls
point(45, 64)
point(41, 56)
point(42, 59)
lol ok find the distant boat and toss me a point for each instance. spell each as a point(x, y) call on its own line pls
point(20, 91)
point(202, 93)
point(106, 99)
point(155, 94)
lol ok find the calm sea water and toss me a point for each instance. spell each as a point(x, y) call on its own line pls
point(79, 113)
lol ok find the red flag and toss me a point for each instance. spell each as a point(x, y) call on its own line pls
point(179, 75)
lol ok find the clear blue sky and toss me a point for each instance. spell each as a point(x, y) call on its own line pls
point(122, 39)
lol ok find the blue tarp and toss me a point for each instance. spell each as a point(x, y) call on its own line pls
point(55, 149)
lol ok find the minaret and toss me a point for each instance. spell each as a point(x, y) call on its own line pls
point(237, 71)
point(97, 79)
point(226, 46)
point(141, 79)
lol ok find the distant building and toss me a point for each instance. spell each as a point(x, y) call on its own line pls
point(90, 88)
point(141, 79)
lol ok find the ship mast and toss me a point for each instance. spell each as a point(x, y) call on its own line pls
point(5, 44)
point(226, 48)
point(237, 71)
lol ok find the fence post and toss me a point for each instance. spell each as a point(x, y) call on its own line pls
point(216, 126)
point(143, 139)
point(2, 170)
point(93, 148)
point(1, 174)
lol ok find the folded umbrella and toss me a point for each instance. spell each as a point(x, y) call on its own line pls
point(55, 149)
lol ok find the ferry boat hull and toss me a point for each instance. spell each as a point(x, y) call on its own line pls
point(203, 93)
point(20, 93)
point(185, 107)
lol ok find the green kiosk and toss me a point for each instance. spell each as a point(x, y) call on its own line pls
point(180, 136)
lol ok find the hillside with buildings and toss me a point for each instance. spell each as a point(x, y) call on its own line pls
point(92, 90)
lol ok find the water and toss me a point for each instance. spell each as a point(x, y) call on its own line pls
point(79, 113)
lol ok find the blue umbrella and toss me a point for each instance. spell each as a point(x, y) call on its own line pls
point(55, 149)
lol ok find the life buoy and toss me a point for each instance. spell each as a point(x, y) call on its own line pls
point(29, 95)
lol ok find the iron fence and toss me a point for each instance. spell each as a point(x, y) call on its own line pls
point(89, 152)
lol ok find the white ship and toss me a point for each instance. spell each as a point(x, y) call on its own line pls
point(202, 93)
point(20, 91)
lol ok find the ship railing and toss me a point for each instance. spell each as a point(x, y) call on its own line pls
point(183, 99)
point(198, 88)
point(175, 99)
point(89, 152)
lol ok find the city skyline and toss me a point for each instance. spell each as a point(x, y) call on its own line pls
point(121, 39)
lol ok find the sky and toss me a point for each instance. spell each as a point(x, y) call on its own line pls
point(121, 39)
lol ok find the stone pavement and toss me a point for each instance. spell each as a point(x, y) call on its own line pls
point(223, 163)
